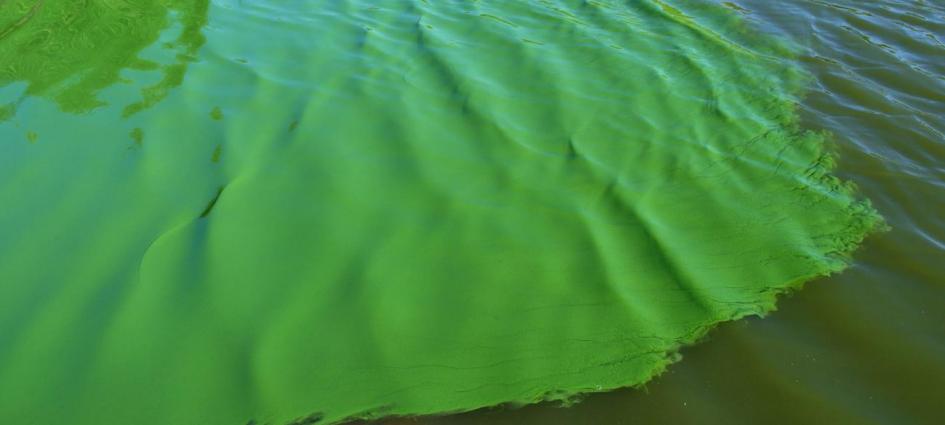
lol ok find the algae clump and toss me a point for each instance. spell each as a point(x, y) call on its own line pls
point(69, 51)
point(409, 208)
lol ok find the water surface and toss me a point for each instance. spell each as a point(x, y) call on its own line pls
point(863, 347)
point(321, 209)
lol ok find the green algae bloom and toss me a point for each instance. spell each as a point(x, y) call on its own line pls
point(71, 50)
point(408, 207)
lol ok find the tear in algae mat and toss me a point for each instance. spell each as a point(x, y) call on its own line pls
point(300, 211)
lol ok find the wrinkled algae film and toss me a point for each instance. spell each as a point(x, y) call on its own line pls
point(70, 50)
point(299, 211)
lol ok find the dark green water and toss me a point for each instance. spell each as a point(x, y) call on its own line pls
point(221, 211)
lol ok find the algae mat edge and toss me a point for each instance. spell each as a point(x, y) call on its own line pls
point(397, 208)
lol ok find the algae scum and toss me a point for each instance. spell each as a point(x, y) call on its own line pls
point(300, 211)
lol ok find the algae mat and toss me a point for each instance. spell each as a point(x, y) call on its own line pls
point(298, 212)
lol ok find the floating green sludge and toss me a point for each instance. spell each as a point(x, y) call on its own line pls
point(393, 207)
point(71, 50)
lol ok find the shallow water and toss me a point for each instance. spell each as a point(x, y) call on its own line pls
point(864, 346)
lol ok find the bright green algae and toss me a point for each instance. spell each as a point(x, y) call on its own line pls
point(373, 208)
point(71, 50)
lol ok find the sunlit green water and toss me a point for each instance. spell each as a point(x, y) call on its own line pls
point(398, 207)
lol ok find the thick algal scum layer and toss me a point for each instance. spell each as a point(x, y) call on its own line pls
point(71, 50)
point(389, 207)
